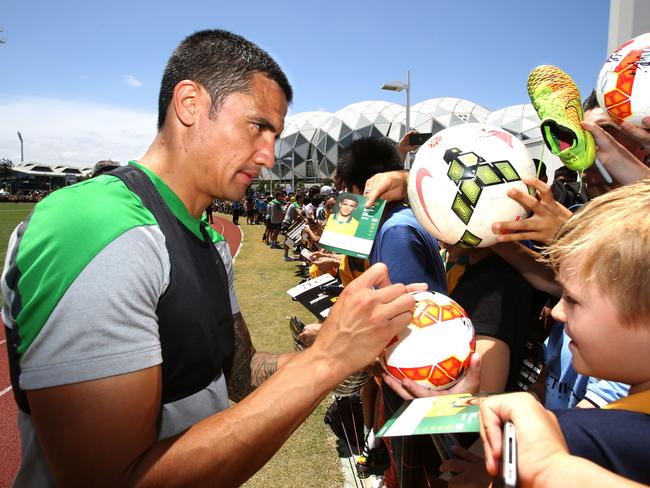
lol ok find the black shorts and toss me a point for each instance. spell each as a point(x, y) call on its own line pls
point(274, 226)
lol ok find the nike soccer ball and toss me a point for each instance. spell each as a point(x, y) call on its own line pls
point(436, 347)
point(459, 181)
point(623, 88)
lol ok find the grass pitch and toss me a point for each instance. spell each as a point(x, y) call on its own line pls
point(11, 214)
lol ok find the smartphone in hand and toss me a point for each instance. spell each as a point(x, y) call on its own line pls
point(509, 455)
point(419, 138)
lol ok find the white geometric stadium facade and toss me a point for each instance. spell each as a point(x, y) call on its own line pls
point(294, 147)
point(370, 118)
point(311, 141)
point(523, 122)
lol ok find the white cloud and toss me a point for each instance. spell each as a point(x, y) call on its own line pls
point(59, 131)
point(132, 81)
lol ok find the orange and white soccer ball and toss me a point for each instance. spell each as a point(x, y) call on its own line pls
point(436, 347)
point(623, 88)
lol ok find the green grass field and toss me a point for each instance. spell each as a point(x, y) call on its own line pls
point(308, 459)
point(10, 215)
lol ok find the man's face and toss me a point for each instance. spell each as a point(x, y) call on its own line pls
point(601, 345)
point(239, 140)
point(346, 207)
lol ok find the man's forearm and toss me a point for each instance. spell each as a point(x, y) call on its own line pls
point(247, 369)
point(227, 448)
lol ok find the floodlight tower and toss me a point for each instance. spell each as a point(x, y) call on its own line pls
point(20, 138)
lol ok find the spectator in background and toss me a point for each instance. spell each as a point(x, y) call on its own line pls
point(275, 219)
point(208, 212)
point(236, 211)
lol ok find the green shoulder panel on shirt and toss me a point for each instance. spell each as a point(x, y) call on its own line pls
point(177, 207)
point(65, 232)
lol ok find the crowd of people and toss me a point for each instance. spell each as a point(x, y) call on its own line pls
point(24, 196)
point(134, 388)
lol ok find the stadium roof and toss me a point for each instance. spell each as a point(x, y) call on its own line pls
point(40, 169)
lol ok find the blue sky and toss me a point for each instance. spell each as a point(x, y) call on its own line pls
point(80, 79)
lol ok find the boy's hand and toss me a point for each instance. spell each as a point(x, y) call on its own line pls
point(548, 216)
point(539, 438)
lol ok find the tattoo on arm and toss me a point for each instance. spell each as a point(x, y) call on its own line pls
point(246, 369)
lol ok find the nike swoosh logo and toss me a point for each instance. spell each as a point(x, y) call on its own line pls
point(420, 175)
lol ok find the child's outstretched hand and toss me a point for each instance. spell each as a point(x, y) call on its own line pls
point(548, 216)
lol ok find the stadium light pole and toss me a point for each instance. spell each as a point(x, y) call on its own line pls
point(20, 138)
point(398, 86)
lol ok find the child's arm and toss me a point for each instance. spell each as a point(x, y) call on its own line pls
point(542, 454)
point(527, 263)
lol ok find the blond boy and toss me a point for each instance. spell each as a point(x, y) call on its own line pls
point(601, 260)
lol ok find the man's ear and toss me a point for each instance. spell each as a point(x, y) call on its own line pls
point(186, 101)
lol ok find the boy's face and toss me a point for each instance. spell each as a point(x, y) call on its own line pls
point(601, 345)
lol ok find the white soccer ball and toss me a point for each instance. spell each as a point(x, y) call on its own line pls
point(436, 347)
point(458, 184)
point(623, 88)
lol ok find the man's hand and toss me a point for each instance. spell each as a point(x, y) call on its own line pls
point(390, 186)
point(548, 216)
point(621, 164)
point(366, 316)
point(409, 389)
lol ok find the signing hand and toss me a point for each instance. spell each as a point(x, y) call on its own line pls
point(367, 315)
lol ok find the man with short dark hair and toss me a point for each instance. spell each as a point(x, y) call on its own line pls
point(124, 333)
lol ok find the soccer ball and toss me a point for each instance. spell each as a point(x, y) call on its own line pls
point(457, 186)
point(623, 88)
point(436, 347)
